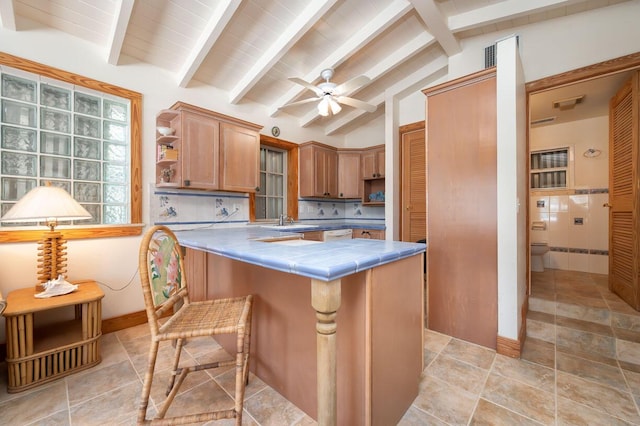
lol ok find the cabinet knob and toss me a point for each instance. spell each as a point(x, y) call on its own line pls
point(257, 189)
point(187, 182)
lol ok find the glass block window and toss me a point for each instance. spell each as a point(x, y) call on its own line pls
point(271, 199)
point(73, 137)
point(551, 169)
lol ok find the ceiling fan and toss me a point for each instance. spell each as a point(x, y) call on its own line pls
point(330, 95)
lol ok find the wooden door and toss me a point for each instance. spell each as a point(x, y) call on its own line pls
point(624, 226)
point(200, 151)
point(413, 225)
point(462, 270)
point(240, 158)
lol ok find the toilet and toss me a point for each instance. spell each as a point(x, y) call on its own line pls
point(537, 256)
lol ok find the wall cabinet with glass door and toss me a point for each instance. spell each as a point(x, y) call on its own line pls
point(208, 150)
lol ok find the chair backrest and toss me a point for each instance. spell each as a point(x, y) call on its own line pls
point(161, 273)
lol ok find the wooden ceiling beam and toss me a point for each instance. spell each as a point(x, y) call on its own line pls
point(118, 30)
point(307, 19)
point(214, 28)
point(361, 38)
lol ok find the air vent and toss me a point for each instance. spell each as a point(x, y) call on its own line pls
point(543, 121)
point(490, 56)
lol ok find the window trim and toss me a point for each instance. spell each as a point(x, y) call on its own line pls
point(93, 231)
point(292, 176)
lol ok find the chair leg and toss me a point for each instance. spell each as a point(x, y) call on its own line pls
point(148, 379)
point(176, 362)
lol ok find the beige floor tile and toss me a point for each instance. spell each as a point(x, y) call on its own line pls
point(416, 417)
point(586, 341)
point(268, 407)
point(227, 381)
point(521, 398)
point(541, 331)
point(458, 373)
point(116, 406)
point(490, 414)
point(539, 352)
point(589, 326)
point(540, 305)
point(595, 371)
point(625, 321)
point(470, 353)
point(446, 402)
point(613, 402)
point(571, 309)
point(572, 413)
point(524, 371)
point(86, 384)
point(205, 397)
point(435, 341)
point(35, 405)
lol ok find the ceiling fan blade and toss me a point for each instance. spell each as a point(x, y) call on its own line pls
point(356, 103)
point(352, 84)
point(306, 84)
point(304, 101)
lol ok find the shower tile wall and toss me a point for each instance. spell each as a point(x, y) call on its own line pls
point(577, 229)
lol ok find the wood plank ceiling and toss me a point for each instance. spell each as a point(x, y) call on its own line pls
point(249, 48)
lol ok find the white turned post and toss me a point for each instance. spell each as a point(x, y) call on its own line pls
point(325, 299)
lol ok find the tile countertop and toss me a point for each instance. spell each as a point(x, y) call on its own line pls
point(324, 261)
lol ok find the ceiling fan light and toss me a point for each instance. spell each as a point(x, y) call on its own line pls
point(335, 106)
point(323, 107)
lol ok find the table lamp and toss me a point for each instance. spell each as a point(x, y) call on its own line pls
point(48, 204)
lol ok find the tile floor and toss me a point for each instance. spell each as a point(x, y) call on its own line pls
point(580, 365)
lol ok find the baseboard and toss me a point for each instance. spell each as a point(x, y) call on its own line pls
point(124, 321)
point(513, 348)
point(508, 347)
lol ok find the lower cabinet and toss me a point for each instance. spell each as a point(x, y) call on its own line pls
point(372, 234)
point(195, 267)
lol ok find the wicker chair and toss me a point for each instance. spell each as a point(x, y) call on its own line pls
point(165, 290)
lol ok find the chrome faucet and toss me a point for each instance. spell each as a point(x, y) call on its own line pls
point(284, 218)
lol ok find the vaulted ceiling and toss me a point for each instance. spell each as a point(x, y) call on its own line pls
point(250, 48)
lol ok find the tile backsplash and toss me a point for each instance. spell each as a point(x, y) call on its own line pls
point(576, 229)
point(185, 209)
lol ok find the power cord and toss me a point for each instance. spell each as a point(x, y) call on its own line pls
point(122, 288)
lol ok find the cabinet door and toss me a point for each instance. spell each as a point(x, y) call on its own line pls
point(200, 151)
point(349, 177)
point(380, 162)
point(370, 234)
point(240, 158)
point(318, 171)
point(331, 173)
point(368, 164)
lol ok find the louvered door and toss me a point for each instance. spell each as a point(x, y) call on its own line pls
point(624, 249)
point(414, 194)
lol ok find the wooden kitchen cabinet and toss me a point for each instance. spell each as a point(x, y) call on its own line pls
point(240, 158)
point(214, 151)
point(370, 234)
point(318, 170)
point(373, 160)
point(349, 174)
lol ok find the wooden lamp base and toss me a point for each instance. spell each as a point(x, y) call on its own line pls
point(52, 258)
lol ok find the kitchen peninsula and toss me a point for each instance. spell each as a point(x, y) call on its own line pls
point(337, 325)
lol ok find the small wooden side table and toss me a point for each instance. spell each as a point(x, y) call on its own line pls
point(38, 354)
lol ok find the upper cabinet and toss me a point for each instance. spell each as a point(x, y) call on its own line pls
point(349, 174)
point(318, 170)
point(209, 150)
point(373, 162)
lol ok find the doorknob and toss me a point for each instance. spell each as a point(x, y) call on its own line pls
point(408, 207)
point(607, 205)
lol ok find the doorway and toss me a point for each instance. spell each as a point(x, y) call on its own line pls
point(574, 220)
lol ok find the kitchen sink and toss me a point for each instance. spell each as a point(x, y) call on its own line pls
point(288, 227)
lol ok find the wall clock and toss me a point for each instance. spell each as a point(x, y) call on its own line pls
point(275, 131)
